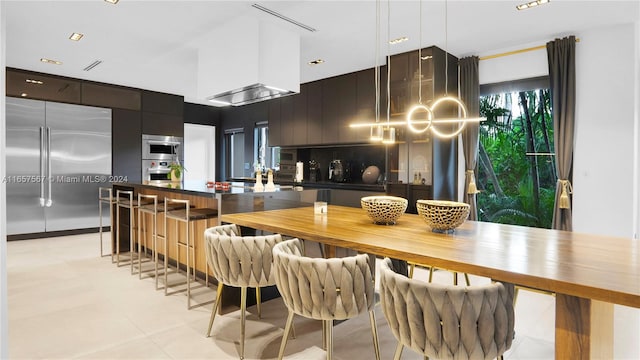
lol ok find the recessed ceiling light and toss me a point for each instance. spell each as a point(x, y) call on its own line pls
point(112, 1)
point(49, 61)
point(398, 40)
point(315, 62)
point(24, 94)
point(426, 57)
point(32, 81)
point(75, 36)
point(531, 4)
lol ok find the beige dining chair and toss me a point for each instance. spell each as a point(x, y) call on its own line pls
point(239, 261)
point(323, 289)
point(447, 321)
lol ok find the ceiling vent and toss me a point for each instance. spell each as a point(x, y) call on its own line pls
point(247, 60)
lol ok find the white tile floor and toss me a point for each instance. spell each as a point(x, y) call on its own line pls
point(65, 302)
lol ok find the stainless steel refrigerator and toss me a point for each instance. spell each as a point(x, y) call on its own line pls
point(57, 156)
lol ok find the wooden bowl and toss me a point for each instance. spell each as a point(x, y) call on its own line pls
point(443, 216)
point(384, 210)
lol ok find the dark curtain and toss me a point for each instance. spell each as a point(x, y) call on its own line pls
point(470, 95)
point(562, 78)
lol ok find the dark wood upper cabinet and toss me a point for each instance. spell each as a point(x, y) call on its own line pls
point(274, 122)
point(314, 112)
point(162, 124)
point(110, 96)
point(32, 85)
point(286, 121)
point(162, 103)
point(299, 118)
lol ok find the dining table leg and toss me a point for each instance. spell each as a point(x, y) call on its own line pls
point(584, 328)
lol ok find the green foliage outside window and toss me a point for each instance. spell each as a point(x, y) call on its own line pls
point(516, 175)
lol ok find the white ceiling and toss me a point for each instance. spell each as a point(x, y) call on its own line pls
point(154, 44)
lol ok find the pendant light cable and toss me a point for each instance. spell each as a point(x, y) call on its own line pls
point(420, 59)
point(446, 49)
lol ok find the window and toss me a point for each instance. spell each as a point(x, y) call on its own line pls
point(266, 157)
point(516, 165)
point(234, 150)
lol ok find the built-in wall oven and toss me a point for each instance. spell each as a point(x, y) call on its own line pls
point(158, 152)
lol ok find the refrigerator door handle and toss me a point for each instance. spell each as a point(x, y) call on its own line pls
point(43, 174)
point(50, 177)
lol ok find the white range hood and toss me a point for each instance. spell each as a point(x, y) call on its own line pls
point(248, 60)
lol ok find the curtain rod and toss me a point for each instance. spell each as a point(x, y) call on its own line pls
point(508, 53)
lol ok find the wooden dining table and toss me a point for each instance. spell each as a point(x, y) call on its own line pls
point(588, 273)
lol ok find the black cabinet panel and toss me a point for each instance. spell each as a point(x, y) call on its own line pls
point(162, 103)
point(274, 122)
point(299, 118)
point(201, 114)
point(110, 96)
point(286, 121)
point(126, 144)
point(162, 124)
point(42, 87)
point(314, 113)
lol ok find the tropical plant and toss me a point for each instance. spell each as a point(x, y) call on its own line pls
point(517, 185)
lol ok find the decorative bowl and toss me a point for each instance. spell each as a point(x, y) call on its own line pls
point(442, 216)
point(384, 210)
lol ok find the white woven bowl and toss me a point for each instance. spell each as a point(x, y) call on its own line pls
point(384, 210)
point(442, 216)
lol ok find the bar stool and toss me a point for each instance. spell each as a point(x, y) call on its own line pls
point(149, 205)
point(188, 216)
point(125, 200)
point(103, 198)
point(150, 208)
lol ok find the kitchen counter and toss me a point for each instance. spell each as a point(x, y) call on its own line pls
point(321, 185)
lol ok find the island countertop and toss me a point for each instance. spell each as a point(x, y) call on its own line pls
point(200, 188)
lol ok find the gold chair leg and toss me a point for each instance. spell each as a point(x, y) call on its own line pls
point(324, 335)
point(466, 279)
point(215, 308)
point(285, 336)
point(430, 273)
point(412, 266)
point(398, 352)
point(243, 310)
point(374, 332)
point(258, 301)
point(455, 278)
point(329, 339)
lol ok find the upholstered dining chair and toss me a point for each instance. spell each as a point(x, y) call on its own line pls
point(239, 261)
point(447, 321)
point(323, 289)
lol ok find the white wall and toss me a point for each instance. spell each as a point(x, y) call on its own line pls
point(605, 199)
point(199, 153)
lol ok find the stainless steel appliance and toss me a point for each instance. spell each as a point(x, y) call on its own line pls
point(336, 171)
point(156, 170)
point(158, 152)
point(57, 157)
point(288, 160)
point(158, 147)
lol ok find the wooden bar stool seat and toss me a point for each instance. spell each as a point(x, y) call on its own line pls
point(187, 215)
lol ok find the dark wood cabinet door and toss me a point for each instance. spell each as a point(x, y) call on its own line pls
point(126, 144)
point(274, 123)
point(286, 121)
point(299, 118)
point(330, 112)
point(162, 103)
point(42, 87)
point(365, 106)
point(314, 113)
point(115, 97)
point(162, 124)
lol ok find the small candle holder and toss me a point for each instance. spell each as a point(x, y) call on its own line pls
point(320, 207)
